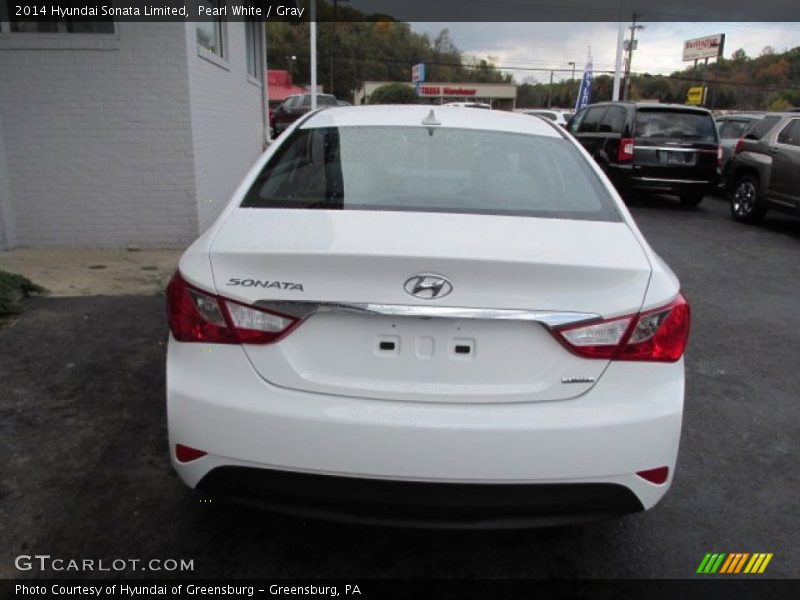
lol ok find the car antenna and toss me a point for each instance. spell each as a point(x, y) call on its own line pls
point(430, 122)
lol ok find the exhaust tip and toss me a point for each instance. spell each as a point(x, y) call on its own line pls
point(657, 476)
point(186, 454)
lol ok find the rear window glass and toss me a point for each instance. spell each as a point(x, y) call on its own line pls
point(732, 129)
point(675, 124)
point(431, 170)
point(321, 100)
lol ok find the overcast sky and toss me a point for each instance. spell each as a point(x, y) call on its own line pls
point(553, 45)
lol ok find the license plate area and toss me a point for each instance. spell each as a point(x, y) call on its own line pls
point(421, 359)
point(673, 157)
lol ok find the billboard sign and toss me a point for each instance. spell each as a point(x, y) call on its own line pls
point(710, 46)
point(696, 96)
point(418, 73)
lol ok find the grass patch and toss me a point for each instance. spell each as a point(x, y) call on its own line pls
point(13, 290)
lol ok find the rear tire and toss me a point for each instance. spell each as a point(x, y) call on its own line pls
point(692, 198)
point(745, 205)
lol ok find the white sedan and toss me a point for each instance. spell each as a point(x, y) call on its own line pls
point(426, 316)
point(559, 117)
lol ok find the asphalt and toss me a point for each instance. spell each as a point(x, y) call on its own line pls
point(85, 472)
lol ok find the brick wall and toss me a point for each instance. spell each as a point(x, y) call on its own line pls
point(97, 135)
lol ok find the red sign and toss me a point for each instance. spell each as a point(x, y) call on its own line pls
point(435, 90)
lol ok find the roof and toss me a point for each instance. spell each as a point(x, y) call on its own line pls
point(281, 86)
point(413, 115)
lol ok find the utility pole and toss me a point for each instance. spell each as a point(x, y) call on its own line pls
point(631, 46)
point(550, 89)
point(313, 38)
point(571, 81)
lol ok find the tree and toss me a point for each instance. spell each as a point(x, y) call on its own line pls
point(393, 93)
point(739, 55)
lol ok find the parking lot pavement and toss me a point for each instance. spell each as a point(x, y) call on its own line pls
point(85, 471)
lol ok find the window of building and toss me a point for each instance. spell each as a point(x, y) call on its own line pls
point(253, 37)
point(209, 33)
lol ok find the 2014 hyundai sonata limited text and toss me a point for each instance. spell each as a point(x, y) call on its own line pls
point(426, 316)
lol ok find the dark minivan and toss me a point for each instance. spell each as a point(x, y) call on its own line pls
point(667, 148)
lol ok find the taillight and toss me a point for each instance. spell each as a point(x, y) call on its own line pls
point(625, 152)
point(198, 316)
point(719, 156)
point(655, 335)
point(739, 146)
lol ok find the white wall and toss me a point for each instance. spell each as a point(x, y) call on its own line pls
point(226, 113)
point(7, 237)
point(98, 137)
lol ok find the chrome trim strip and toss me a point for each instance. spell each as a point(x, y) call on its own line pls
point(657, 180)
point(303, 309)
point(676, 149)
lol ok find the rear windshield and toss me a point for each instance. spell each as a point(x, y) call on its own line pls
point(431, 170)
point(675, 124)
point(732, 129)
point(321, 100)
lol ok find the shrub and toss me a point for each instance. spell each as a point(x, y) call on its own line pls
point(393, 93)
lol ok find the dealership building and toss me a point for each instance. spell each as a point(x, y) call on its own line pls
point(502, 96)
point(119, 134)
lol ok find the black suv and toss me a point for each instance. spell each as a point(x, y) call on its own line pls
point(765, 168)
point(666, 148)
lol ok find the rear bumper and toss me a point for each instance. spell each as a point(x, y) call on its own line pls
point(629, 421)
point(676, 186)
point(625, 177)
point(418, 504)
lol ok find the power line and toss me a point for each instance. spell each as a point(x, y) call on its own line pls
point(688, 78)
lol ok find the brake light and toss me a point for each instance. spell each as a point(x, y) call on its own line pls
point(739, 146)
point(658, 335)
point(195, 315)
point(625, 152)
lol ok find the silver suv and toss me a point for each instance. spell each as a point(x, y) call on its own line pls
point(765, 169)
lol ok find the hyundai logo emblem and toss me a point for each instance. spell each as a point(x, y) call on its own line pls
point(428, 286)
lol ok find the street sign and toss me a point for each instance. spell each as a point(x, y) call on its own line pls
point(710, 46)
point(696, 96)
point(418, 73)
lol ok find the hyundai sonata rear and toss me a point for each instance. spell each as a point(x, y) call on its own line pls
point(429, 317)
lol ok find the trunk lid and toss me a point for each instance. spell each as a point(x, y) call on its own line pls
point(492, 262)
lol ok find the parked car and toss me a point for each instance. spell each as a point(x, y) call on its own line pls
point(667, 148)
point(426, 315)
point(765, 169)
point(470, 105)
point(560, 117)
point(295, 107)
point(732, 128)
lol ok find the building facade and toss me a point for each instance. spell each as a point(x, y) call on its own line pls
point(127, 134)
